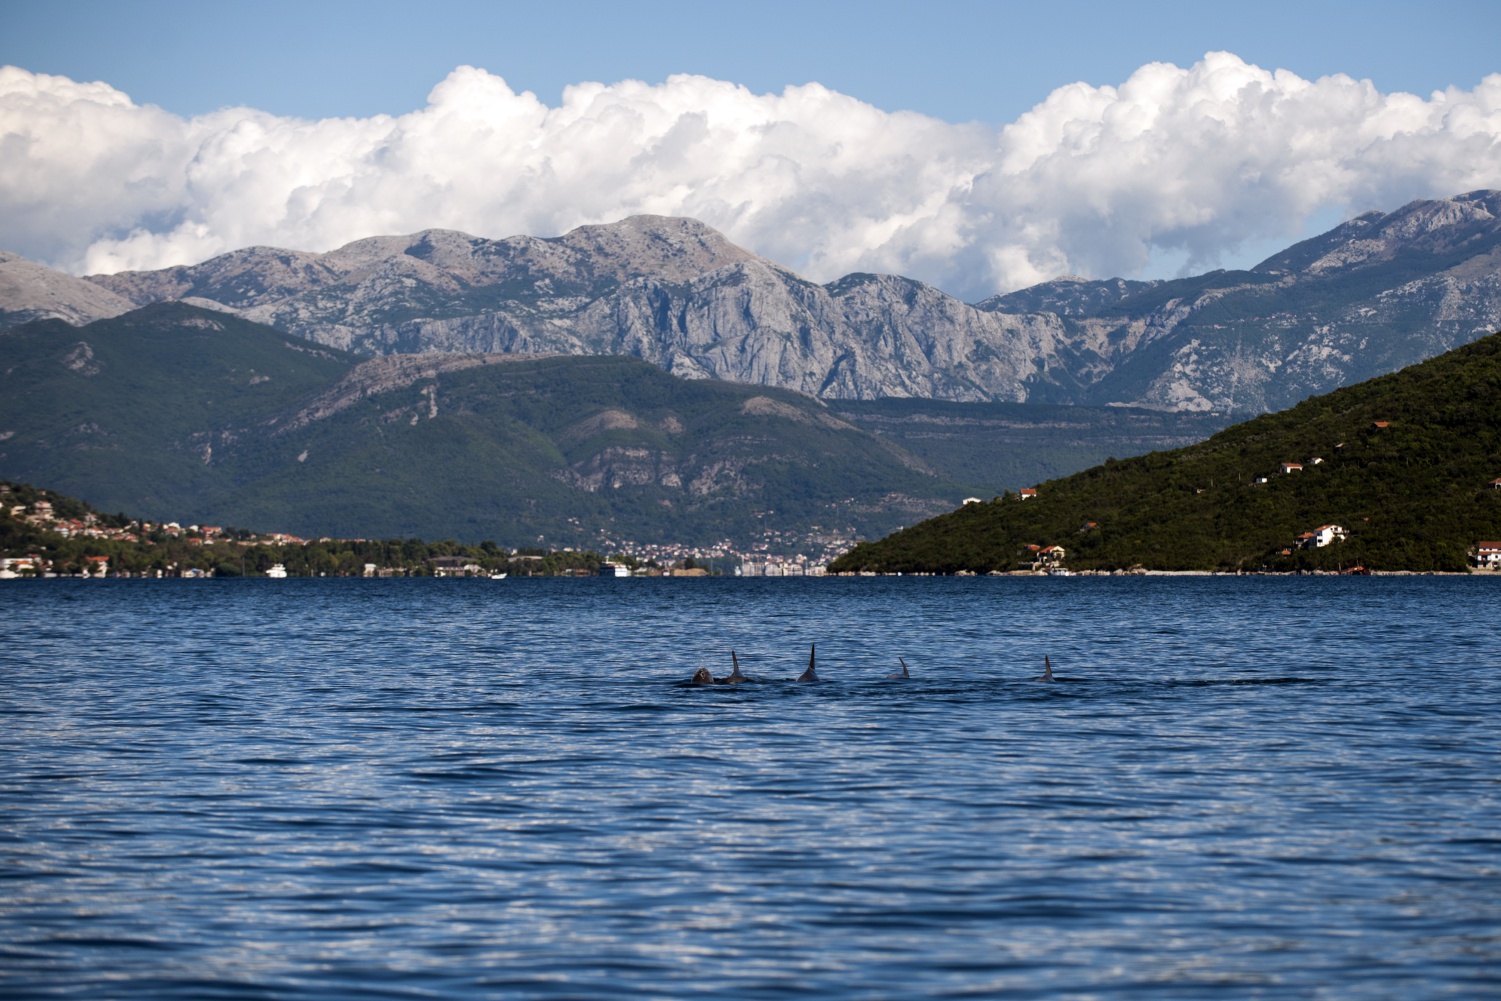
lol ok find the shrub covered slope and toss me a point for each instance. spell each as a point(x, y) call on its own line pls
point(1407, 464)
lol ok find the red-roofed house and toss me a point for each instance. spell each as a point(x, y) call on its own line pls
point(1488, 554)
point(1292, 467)
point(1028, 493)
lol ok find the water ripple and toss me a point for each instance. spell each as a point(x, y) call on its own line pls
point(1255, 788)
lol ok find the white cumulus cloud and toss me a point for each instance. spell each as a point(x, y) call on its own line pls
point(1195, 162)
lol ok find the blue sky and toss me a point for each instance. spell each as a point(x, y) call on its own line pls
point(958, 61)
point(1089, 138)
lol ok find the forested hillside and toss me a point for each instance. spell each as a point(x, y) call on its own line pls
point(1404, 463)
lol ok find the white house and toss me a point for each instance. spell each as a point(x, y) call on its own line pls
point(1322, 536)
point(1027, 493)
point(1488, 554)
point(1292, 467)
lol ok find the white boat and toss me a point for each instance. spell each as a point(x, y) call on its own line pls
point(1060, 572)
point(277, 570)
point(497, 576)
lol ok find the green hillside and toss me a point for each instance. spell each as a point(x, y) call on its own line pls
point(186, 414)
point(572, 451)
point(992, 447)
point(125, 411)
point(1414, 494)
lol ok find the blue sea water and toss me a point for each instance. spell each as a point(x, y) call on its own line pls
point(1239, 788)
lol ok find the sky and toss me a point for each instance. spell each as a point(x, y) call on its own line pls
point(978, 146)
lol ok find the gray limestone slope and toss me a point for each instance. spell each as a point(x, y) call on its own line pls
point(1373, 295)
point(671, 291)
point(1370, 296)
point(30, 291)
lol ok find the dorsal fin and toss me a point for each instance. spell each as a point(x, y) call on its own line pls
point(905, 673)
point(810, 674)
point(1047, 669)
point(735, 675)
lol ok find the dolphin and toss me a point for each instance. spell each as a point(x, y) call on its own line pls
point(702, 677)
point(809, 674)
point(735, 677)
point(1047, 671)
point(904, 673)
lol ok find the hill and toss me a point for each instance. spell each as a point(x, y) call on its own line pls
point(188, 414)
point(1404, 462)
point(198, 415)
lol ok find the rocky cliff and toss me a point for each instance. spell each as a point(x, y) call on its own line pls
point(1370, 296)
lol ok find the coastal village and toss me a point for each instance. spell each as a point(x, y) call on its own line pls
point(214, 550)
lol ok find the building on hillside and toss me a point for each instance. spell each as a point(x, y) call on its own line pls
point(1292, 467)
point(1488, 555)
point(1380, 425)
point(1496, 483)
point(1027, 493)
point(971, 500)
point(1322, 536)
point(1316, 460)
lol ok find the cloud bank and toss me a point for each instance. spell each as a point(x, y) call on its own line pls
point(1195, 162)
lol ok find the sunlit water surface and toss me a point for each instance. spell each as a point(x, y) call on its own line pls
point(1238, 788)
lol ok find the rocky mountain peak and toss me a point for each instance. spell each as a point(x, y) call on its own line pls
point(30, 291)
point(1427, 227)
point(667, 247)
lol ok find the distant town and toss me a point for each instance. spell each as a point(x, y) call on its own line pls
point(44, 534)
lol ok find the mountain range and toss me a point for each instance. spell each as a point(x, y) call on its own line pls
point(1376, 293)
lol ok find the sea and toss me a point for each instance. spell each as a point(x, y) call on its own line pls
point(1237, 787)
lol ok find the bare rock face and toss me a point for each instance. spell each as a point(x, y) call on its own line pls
point(30, 291)
point(1370, 296)
point(671, 291)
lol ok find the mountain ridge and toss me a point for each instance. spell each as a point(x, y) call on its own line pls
point(1371, 295)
